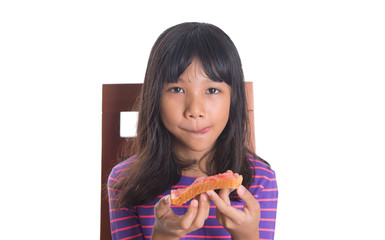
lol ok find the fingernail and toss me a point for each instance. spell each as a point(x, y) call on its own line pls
point(241, 190)
point(209, 193)
point(167, 200)
point(195, 203)
point(204, 196)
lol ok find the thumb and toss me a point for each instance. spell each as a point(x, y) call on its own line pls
point(163, 207)
point(250, 202)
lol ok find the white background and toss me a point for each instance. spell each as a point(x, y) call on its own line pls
point(318, 72)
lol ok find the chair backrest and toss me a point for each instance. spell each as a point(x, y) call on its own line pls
point(119, 98)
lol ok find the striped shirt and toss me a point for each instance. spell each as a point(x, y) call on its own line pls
point(136, 222)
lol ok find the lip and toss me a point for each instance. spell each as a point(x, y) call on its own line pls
point(204, 130)
point(201, 131)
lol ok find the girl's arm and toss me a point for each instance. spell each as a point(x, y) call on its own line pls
point(241, 224)
point(264, 196)
point(170, 226)
point(124, 224)
point(268, 199)
point(124, 221)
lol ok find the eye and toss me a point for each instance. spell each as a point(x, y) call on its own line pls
point(212, 91)
point(176, 90)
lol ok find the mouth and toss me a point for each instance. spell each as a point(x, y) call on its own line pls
point(204, 130)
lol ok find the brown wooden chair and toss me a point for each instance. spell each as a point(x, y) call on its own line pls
point(119, 98)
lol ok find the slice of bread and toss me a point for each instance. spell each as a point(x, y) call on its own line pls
point(204, 184)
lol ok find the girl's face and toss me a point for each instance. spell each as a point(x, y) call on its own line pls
point(195, 110)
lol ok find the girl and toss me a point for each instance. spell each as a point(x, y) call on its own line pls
point(192, 123)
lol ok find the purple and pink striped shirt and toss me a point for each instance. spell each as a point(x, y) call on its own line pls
point(136, 222)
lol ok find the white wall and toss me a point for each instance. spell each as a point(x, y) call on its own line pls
point(318, 71)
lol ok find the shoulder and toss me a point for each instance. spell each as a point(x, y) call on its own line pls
point(264, 181)
point(119, 169)
point(261, 168)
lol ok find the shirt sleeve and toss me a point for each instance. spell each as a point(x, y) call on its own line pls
point(266, 192)
point(124, 222)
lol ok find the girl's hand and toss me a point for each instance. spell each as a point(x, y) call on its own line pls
point(168, 225)
point(241, 224)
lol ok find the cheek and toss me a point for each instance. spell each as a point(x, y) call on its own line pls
point(164, 116)
point(168, 113)
point(163, 112)
point(226, 114)
point(221, 112)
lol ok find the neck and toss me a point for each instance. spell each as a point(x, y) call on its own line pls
point(194, 173)
point(194, 164)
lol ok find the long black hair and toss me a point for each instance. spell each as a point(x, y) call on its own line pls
point(157, 167)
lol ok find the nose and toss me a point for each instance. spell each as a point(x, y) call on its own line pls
point(195, 107)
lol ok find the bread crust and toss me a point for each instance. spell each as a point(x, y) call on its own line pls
point(193, 191)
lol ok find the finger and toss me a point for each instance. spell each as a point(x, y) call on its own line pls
point(189, 217)
point(250, 202)
point(163, 207)
point(221, 205)
point(224, 194)
point(203, 210)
